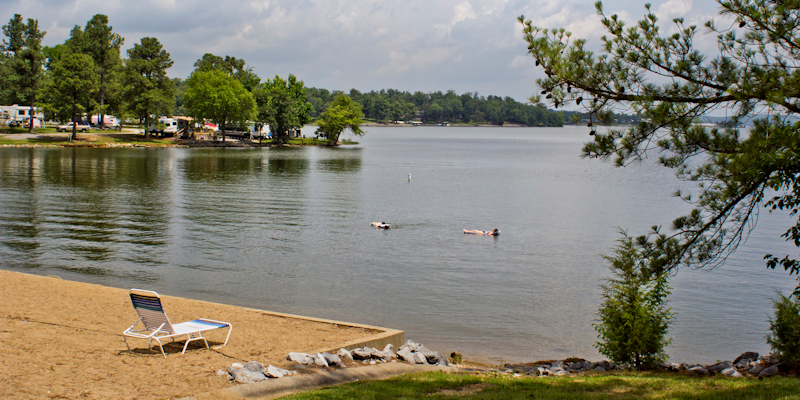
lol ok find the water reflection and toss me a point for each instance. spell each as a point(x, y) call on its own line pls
point(340, 160)
point(90, 207)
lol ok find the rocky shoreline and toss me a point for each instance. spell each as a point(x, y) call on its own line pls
point(747, 364)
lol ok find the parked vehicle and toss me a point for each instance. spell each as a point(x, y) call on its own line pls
point(170, 126)
point(68, 127)
point(110, 122)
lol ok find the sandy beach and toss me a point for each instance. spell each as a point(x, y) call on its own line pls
point(62, 339)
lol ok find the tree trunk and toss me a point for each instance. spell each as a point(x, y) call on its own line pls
point(102, 99)
point(32, 113)
point(74, 134)
point(146, 125)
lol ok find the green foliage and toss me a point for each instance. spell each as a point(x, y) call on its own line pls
point(394, 105)
point(342, 114)
point(73, 82)
point(230, 65)
point(785, 329)
point(148, 89)
point(282, 105)
point(104, 47)
point(217, 96)
point(754, 72)
point(634, 319)
point(23, 59)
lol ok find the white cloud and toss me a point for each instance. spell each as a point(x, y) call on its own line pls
point(400, 62)
point(259, 6)
point(466, 45)
point(673, 9)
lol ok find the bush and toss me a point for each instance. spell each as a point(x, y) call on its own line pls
point(785, 328)
point(634, 319)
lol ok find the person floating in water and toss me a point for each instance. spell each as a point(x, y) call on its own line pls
point(381, 225)
point(495, 232)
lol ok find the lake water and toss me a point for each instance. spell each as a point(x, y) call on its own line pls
point(288, 230)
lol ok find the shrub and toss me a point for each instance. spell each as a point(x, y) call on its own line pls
point(785, 329)
point(633, 319)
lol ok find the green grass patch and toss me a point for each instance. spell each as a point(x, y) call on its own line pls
point(660, 385)
point(92, 138)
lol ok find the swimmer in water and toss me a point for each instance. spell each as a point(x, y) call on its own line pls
point(494, 232)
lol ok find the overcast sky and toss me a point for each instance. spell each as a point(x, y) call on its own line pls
point(464, 45)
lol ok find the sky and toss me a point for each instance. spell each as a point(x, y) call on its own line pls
point(409, 45)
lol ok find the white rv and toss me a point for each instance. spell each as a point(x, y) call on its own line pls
point(171, 126)
point(20, 114)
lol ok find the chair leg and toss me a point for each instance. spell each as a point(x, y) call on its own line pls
point(230, 329)
point(161, 346)
point(192, 338)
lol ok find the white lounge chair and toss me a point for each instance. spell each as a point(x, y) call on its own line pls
point(157, 326)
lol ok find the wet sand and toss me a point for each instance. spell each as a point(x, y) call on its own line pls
point(63, 339)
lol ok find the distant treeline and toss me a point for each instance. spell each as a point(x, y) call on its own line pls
point(437, 107)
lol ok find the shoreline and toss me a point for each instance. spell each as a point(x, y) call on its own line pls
point(63, 338)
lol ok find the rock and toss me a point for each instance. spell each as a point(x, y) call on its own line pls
point(561, 373)
point(769, 371)
point(406, 354)
point(412, 345)
point(419, 358)
point(275, 372)
point(361, 354)
point(731, 372)
point(606, 365)
point(671, 366)
point(221, 372)
point(542, 371)
point(254, 366)
point(389, 349)
point(599, 369)
point(768, 359)
point(577, 366)
point(755, 368)
point(719, 366)
point(331, 358)
point(300, 358)
point(428, 353)
point(319, 360)
point(698, 369)
point(373, 362)
point(344, 355)
point(245, 375)
point(747, 355)
point(376, 354)
point(442, 360)
point(237, 366)
point(742, 364)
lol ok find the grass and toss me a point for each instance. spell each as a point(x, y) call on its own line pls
point(96, 138)
point(648, 385)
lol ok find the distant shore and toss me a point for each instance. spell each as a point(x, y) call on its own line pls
point(457, 125)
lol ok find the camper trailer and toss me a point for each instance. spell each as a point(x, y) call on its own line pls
point(21, 115)
point(171, 126)
point(110, 121)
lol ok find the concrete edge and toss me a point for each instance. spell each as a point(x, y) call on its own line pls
point(275, 388)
